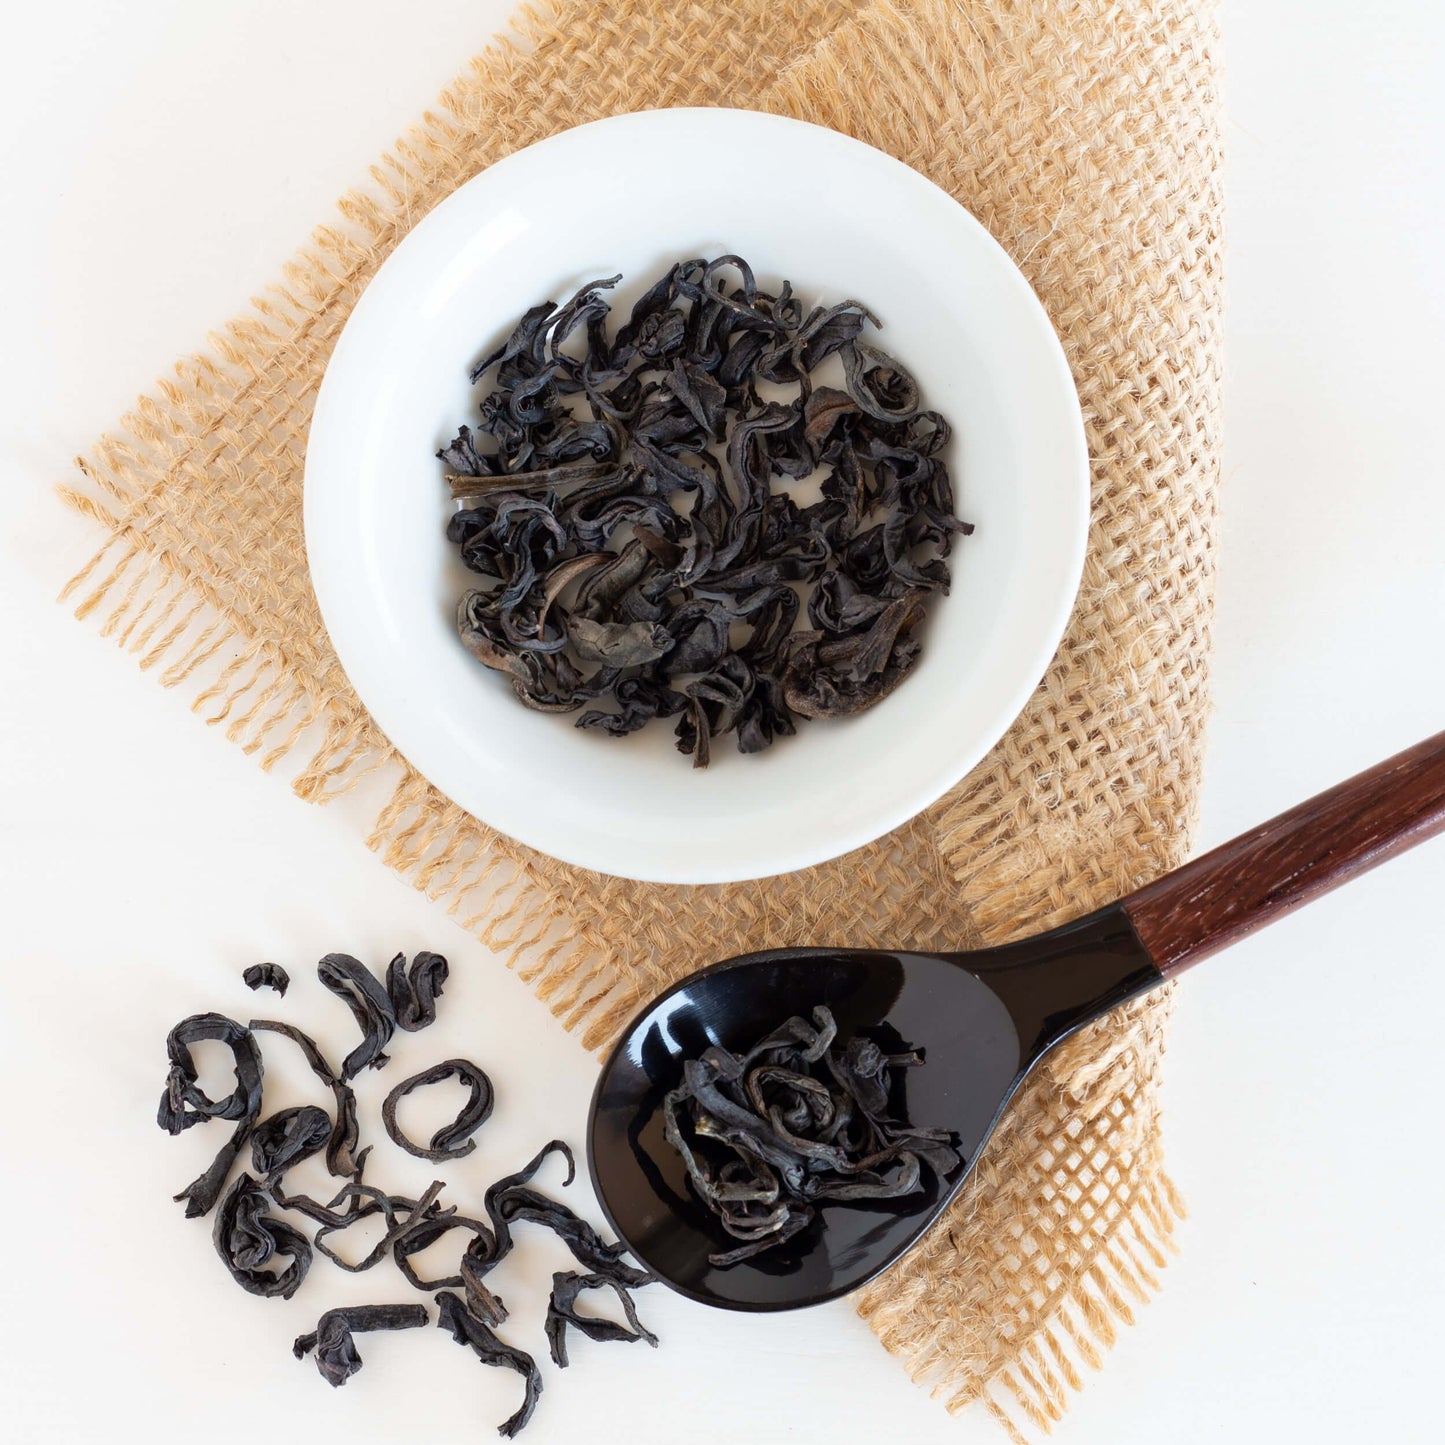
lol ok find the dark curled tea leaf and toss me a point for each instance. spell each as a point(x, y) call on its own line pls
point(184, 1102)
point(453, 1140)
point(510, 1183)
point(488, 1247)
point(466, 1329)
point(357, 987)
point(481, 1300)
point(562, 1311)
point(336, 1354)
point(357, 1197)
point(414, 991)
point(512, 1201)
point(794, 1122)
point(267, 975)
point(625, 505)
point(376, 1202)
point(287, 1137)
point(342, 1160)
point(426, 1233)
point(521, 1205)
point(248, 1237)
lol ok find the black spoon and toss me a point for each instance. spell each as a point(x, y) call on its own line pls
point(983, 1018)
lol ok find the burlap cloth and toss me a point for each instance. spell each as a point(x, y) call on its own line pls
point(1085, 135)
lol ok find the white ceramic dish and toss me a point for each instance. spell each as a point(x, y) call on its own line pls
point(626, 194)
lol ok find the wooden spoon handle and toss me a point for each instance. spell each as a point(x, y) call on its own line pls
point(1265, 873)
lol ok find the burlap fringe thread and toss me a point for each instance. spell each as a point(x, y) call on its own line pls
point(1084, 134)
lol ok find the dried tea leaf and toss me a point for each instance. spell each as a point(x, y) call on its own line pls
point(837, 674)
point(357, 987)
point(479, 1257)
point(248, 1237)
point(562, 1311)
point(879, 386)
point(287, 1137)
point(451, 1141)
point(423, 1236)
point(466, 1329)
point(646, 476)
point(376, 1202)
point(792, 1122)
point(414, 991)
point(342, 1159)
point(468, 490)
point(337, 1357)
point(511, 1201)
point(267, 975)
point(184, 1102)
point(618, 644)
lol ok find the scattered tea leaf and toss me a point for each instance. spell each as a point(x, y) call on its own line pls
point(248, 1237)
point(562, 1311)
point(267, 975)
point(451, 1141)
point(376, 1202)
point(466, 1329)
point(268, 1256)
point(479, 1258)
point(287, 1137)
point(512, 1200)
point(342, 1160)
point(357, 987)
point(414, 991)
point(337, 1357)
point(426, 1233)
point(184, 1102)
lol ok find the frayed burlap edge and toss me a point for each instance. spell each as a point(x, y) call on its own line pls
point(1086, 137)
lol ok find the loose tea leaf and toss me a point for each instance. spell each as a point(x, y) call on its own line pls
point(336, 1353)
point(288, 1137)
point(376, 1202)
point(466, 1329)
point(511, 1201)
point(426, 1233)
point(184, 1102)
point(488, 1247)
point(342, 1160)
point(625, 503)
point(248, 1237)
point(795, 1121)
point(482, 1301)
point(492, 1201)
point(562, 1311)
point(413, 992)
point(451, 1141)
point(267, 975)
point(370, 1004)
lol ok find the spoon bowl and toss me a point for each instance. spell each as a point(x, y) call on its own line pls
point(976, 1017)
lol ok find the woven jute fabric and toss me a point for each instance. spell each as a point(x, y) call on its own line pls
point(1084, 135)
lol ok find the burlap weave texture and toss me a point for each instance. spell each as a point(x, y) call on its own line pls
point(1084, 135)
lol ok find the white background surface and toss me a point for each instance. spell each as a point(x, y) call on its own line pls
point(159, 162)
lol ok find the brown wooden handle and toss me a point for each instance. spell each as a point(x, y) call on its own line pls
point(1265, 873)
